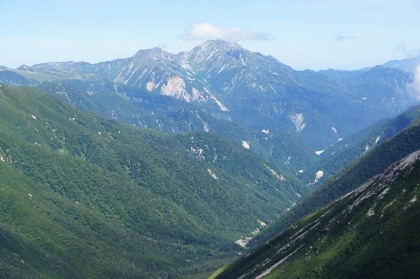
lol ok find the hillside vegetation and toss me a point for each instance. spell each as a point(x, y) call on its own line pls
point(85, 197)
point(372, 232)
point(370, 164)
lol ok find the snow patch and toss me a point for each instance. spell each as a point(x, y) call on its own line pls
point(364, 98)
point(243, 241)
point(319, 152)
point(279, 177)
point(334, 129)
point(377, 139)
point(301, 171)
point(262, 224)
point(221, 69)
point(198, 152)
point(383, 193)
point(414, 199)
point(33, 117)
point(160, 124)
point(371, 212)
point(388, 205)
point(245, 144)
point(30, 195)
point(206, 127)
point(298, 120)
point(2, 159)
point(319, 174)
point(212, 174)
point(221, 106)
point(185, 65)
point(265, 131)
point(150, 86)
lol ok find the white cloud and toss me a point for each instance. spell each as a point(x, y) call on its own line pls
point(409, 52)
point(414, 87)
point(207, 30)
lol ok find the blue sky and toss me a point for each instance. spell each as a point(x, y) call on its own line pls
point(301, 33)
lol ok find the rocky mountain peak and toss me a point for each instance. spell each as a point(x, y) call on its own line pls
point(155, 53)
point(219, 44)
point(212, 50)
point(25, 67)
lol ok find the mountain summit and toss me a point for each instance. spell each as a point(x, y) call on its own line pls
point(155, 53)
point(229, 82)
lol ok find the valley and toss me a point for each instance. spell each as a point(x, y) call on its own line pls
point(165, 165)
point(230, 91)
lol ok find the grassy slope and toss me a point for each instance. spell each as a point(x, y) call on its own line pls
point(371, 233)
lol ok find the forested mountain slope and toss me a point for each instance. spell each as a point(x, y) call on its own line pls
point(129, 203)
point(345, 151)
point(372, 232)
point(373, 162)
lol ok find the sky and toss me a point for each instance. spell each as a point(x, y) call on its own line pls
point(303, 34)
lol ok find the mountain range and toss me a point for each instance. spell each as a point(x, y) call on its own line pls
point(166, 165)
point(219, 86)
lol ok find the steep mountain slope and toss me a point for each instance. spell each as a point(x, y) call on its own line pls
point(381, 85)
point(9, 76)
point(372, 232)
point(167, 114)
point(254, 91)
point(132, 203)
point(173, 116)
point(373, 162)
point(345, 151)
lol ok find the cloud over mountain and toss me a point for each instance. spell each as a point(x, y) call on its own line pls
point(206, 30)
point(414, 87)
